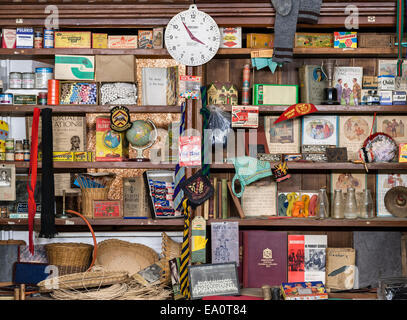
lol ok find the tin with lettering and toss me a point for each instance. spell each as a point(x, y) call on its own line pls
point(15, 80)
point(48, 38)
point(19, 156)
point(9, 144)
point(26, 155)
point(38, 39)
point(42, 98)
point(10, 155)
point(42, 75)
point(6, 98)
point(28, 80)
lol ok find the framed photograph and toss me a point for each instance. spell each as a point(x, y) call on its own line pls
point(283, 137)
point(320, 129)
point(7, 182)
point(384, 182)
point(353, 131)
point(213, 280)
point(394, 126)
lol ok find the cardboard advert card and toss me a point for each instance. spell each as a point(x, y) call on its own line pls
point(394, 126)
point(320, 129)
point(283, 137)
point(353, 131)
point(343, 181)
point(384, 182)
point(259, 199)
point(230, 37)
point(189, 151)
point(158, 38)
point(7, 182)
point(245, 117)
point(340, 268)
point(348, 82)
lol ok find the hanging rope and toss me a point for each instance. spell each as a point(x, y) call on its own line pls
point(185, 254)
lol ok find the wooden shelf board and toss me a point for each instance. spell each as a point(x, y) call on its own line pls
point(336, 109)
point(82, 109)
point(101, 222)
point(96, 165)
point(222, 53)
point(330, 166)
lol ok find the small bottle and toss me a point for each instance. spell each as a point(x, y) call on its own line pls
point(26, 144)
point(322, 210)
point(366, 205)
point(351, 209)
point(337, 206)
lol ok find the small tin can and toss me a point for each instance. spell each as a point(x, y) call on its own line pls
point(28, 80)
point(26, 155)
point(19, 156)
point(9, 155)
point(42, 75)
point(9, 144)
point(38, 39)
point(15, 80)
point(6, 98)
point(42, 98)
point(48, 38)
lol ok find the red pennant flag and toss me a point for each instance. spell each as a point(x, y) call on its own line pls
point(296, 110)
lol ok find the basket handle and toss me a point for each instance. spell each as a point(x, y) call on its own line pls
point(95, 245)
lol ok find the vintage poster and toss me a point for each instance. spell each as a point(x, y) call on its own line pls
point(259, 199)
point(320, 129)
point(283, 137)
point(384, 182)
point(353, 131)
point(394, 126)
point(343, 181)
point(348, 82)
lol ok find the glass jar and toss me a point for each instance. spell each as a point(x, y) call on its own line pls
point(26, 144)
point(337, 206)
point(19, 145)
point(366, 205)
point(350, 208)
point(322, 209)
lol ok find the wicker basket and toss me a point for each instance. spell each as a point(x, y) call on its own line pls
point(170, 250)
point(90, 194)
point(69, 257)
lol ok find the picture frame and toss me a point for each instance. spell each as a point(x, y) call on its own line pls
point(7, 182)
point(283, 137)
point(320, 130)
point(221, 278)
point(393, 125)
point(384, 182)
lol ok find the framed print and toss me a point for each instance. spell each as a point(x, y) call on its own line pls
point(7, 182)
point(213, 280)
point(283, 137)
point(393, 125)
point(353, 131)
point(384, 182)
point(320, 129)
point(343, 181)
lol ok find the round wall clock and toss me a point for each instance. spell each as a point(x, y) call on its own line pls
point(192, 37)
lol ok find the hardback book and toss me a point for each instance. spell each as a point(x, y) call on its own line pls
point(378, 255)
point(215, 197)
point(274, 94)
point(225, 242)
point(389, 67)
point(224, 198)
point(348, 82)
point(219, 201)
point(159, 86)
point(312, 84)
point(264, 258)
point(306, 258)
point(240, 265)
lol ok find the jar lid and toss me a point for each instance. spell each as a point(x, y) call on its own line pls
point(44, 69)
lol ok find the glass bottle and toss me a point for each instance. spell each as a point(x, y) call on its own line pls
point(351, 208)
point(337, 206)
point(322, 210)
point(366, 205)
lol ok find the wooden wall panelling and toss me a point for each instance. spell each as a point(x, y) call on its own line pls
point(336, 239)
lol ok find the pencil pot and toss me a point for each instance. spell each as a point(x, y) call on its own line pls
point(90, 194)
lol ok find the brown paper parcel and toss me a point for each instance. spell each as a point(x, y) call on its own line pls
point(115, 68)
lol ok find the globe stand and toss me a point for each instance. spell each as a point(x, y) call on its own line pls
point(139, 157)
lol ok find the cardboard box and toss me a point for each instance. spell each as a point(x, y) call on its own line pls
point(386, 97)
point(106, 209)
point(345, 39)
point(72, 39)
point(145, 39)
point(25, 38)
point(82, 156)
point(245, 117)
point(313, 40)
point(387, 82)
point(62, 156)
point(376, 40)
point(110, 145)
point(230, 37)
point(370, 82)
point(158, 38)
point(26, 99)
point(135, 197)
point(403, 152)
point(68, 97)
point(275, 94)
point(115, 68)
point(74, 67)
point(8, 38)
point(399, 98)
point(260, 40)
point(99, 40)
point(122, 42)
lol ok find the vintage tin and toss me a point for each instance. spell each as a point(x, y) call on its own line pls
point(26, 99)
point(9, 144)
point(48, 38)
point(42, 98)
point(6, 98)
point(9, 155)
point(28, 80)
point(2, 156)
point(38, 39)
point(15, 80)
point(72, 39)
point(19, 145)
point(42, 75)
point(53, 92)
point(19, 156)
point(26, 155)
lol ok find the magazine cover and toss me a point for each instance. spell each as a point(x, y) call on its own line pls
point(348, 82)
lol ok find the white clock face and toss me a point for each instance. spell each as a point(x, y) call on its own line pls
point(192, 37)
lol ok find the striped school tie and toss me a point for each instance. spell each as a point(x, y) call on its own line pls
point(185, 254)
point(179, 171)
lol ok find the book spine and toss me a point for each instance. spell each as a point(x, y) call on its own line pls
point(245, 264)
point(240, 267)
point(224, 198)
point(304, 86)
point(219, 204)
point(215, 198)
point(206, 210)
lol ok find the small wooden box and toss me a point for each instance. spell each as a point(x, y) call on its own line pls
point(260, 40)
point(107, 209)
point(376, 40)
point(67, 82)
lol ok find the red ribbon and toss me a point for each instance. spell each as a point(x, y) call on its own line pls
point(32, 177)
